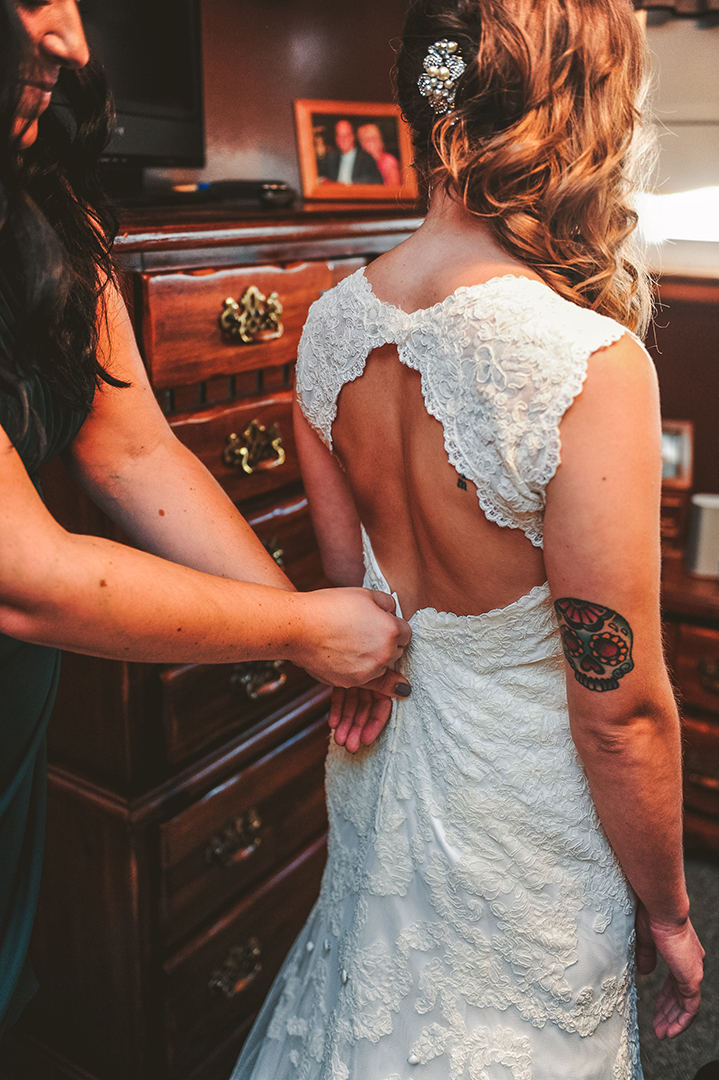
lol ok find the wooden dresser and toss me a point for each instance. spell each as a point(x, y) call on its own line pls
point(683, 343)
point(186, 824)
point(691, 619)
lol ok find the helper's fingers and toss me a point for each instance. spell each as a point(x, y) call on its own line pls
point(404, 635)
point(383, 600)
point(392, 684)
point(674, 1011)
point(387, 603)
point(646, 955)
point(646, 950)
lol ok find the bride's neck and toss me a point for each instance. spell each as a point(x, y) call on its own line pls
point(448, 215)
point(450, 226)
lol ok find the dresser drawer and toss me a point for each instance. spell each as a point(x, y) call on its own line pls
point(183, 341)
point(242, 831)
point(696, 666)
point(701, 834)
point(701, 765)
point(287, 533)
point(249, 446)
point(202, 703)
point(217, 980)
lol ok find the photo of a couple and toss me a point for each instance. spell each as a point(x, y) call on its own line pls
point(353, 150)
point(355, 153)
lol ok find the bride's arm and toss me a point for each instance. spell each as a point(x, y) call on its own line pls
point(358, 715)
point(601, 547)
point(334, 515)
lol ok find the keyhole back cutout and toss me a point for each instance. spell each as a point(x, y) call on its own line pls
point(431, 539)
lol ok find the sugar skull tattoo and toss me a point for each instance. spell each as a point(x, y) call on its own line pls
point(597, 642)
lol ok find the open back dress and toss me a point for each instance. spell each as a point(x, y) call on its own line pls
point(473, 922)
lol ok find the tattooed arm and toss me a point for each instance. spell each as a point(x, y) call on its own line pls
point(602, 555)
point(597, 643)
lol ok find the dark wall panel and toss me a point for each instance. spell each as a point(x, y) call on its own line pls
point(261, 54)
point(685, 347)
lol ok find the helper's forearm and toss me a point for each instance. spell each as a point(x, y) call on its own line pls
point(106, 599)
point(170, 505)
point(634, 772)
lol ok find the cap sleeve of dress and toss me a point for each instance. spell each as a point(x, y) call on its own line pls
point(500, 365)
point(342, 329)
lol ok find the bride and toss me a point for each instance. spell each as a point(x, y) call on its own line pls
point(479, 429)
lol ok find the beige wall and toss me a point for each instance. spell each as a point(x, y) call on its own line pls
point(686, 102)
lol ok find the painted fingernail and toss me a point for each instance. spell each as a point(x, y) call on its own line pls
point(403, 689)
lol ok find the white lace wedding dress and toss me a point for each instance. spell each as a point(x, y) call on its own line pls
point(473, 923)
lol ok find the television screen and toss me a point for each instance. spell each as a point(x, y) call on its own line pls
point(150, 50)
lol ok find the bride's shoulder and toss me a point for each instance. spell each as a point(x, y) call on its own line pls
point(526, 313)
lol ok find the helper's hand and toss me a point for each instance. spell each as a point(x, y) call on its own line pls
point(679, 999)
point(359, 714)
point(349, 637)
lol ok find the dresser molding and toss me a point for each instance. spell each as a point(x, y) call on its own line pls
point(170, 239)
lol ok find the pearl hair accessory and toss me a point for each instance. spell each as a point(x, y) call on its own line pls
point(443, 66)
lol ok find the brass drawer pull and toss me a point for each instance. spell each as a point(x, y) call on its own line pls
point(252, 319)
point(708, 671)
point(272, 547)
point(711, 783)
point(259, 678)
point(238, 969)
point(238, 840)
point(258, 447)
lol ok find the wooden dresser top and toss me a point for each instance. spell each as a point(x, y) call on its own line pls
point(683, 594)
point(186, 236)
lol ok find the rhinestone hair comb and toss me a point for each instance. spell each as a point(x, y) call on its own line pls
point(443, 65)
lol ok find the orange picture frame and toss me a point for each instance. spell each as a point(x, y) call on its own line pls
point(373, 161)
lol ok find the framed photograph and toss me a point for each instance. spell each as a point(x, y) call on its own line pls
point(677, 478)
point(352, 150)
point(677, 453)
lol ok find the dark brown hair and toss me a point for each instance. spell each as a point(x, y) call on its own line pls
point(546, 140)
point(56, 231)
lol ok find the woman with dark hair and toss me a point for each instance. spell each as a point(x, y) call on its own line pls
point(71, 379)
point(479, 431)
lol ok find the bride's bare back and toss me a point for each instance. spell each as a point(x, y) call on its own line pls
point(432, 541)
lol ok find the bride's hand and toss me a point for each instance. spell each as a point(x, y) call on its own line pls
point(679, 999)
point(359, 714)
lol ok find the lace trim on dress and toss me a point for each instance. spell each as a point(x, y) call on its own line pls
point(431, 620)
point(500, 363)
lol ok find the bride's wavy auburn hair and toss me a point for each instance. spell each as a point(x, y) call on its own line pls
point(546, 141)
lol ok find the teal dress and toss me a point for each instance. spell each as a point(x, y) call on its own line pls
point(28, 682)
